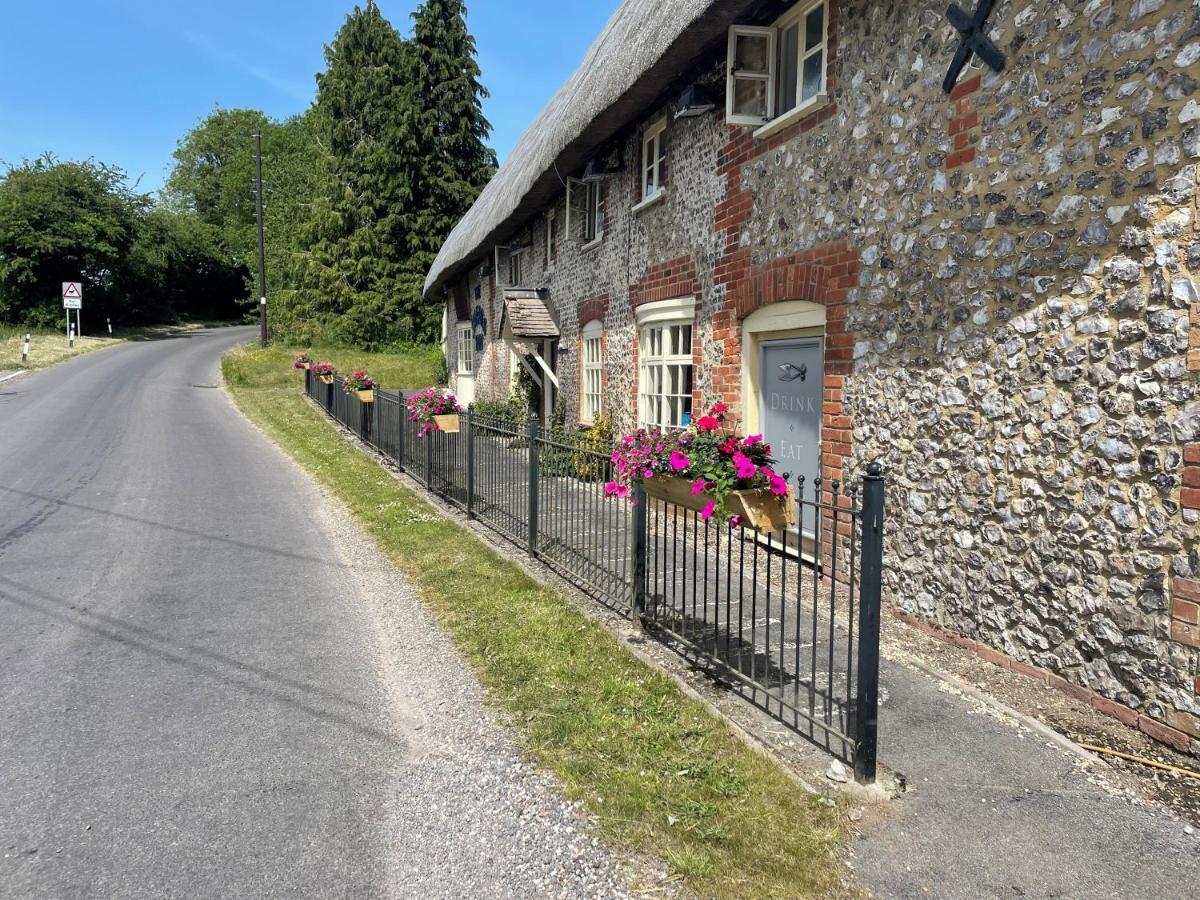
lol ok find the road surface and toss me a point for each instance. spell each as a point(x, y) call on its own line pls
point(210, 686)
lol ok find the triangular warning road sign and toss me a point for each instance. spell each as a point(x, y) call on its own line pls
point(71, 291)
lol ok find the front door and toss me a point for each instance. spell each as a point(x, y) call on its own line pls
point(792, 386)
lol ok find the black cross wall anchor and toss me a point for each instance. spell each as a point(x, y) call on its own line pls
point(974, 39)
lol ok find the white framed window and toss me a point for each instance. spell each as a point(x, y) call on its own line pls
point(514, 268)
point(780, 69)
point(592, 395)
point(585, 210)
point(466, 349)
point(551, 256)
point(654, 160)
point(665, 374)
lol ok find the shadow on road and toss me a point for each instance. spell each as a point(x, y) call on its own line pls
point(7, 536)
point(251, 678)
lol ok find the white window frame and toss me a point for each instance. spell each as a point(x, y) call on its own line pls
point(500, 271)
point(514, 268)
point(656, 356)
point(551, 238)
point(736, 75)
point(774, 119)
point(591, 382)
point(466, 349)
point(585, 221)
point(654, 157)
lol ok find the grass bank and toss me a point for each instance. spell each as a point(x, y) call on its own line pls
point(657, 773)
point(49, 348)
point(271, 368)
point(46, 348)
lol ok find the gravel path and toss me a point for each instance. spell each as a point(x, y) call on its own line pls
point(469, 817)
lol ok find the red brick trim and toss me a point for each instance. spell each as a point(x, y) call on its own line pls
point(1189, 496)
point(666, 281)
point(592, 309)
point(1165, 734)
point(963, 127)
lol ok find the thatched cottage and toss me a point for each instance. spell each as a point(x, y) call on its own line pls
point(963, 244)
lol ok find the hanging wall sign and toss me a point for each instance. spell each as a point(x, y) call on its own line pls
point(973, 39)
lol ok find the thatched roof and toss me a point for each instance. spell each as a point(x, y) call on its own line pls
point(645, 46)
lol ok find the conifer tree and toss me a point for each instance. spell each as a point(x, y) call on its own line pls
point(455, 161)
point(356, 275)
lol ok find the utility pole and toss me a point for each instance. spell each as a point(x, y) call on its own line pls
point(262, 258)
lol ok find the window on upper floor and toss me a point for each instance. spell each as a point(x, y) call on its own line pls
point(585, 210)
point(777, 70)
point(551, 256)
point(514, 268)
point(654, 160)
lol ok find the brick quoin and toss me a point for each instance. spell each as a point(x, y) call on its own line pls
point(962, 130)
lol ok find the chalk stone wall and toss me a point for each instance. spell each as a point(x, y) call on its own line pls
point(1010, 279)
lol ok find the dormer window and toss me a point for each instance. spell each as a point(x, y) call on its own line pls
point(777, 70)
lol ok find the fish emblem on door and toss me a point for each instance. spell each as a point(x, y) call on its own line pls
point(792, 373)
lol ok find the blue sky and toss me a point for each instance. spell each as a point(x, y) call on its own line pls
point(122, 80)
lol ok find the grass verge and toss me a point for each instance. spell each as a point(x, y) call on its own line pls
point(657, 773)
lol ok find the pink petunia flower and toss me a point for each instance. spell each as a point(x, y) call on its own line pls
point(699, 486)
point(751, 440)
point(735, 521)
point(778, 485)
point(709, 508)
point(679, 462)
point(743, 466)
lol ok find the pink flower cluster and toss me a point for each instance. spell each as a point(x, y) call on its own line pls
point(708, 453)
point(430, 402)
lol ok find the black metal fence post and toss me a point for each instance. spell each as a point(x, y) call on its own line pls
point(866, 707)
point(533, 484)
point(401, 416)
point(429, 457)
point(471, 461)
point(637, 540)
point(329, 396)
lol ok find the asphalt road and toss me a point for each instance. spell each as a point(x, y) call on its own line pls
point(197, 695)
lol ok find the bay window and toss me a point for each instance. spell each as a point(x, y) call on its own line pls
point(665, 376)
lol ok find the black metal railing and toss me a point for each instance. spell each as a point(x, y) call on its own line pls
point(789, 619)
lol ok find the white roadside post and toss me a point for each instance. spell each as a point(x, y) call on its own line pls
point(109, 321)
point(25, 351)
point(72, 294)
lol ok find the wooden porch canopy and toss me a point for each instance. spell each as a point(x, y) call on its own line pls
point(525, 323)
